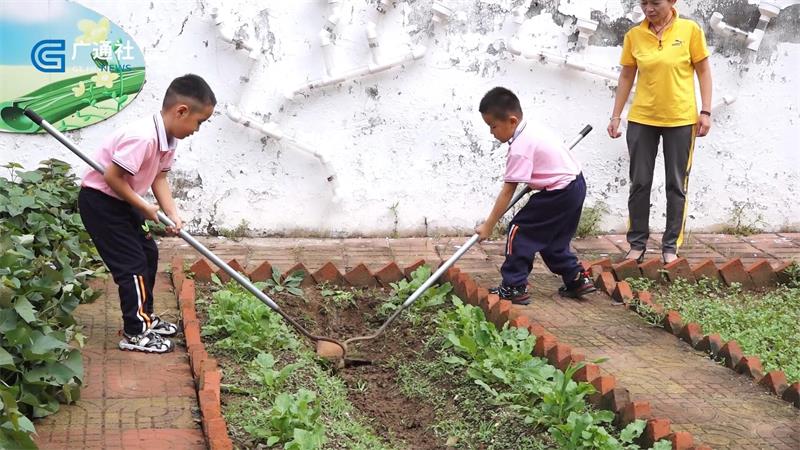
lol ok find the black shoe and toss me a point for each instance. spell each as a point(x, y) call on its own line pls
point(578, 287)
point(518, 295)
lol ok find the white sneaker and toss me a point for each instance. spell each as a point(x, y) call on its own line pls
point(162, 327)
point(149, 342)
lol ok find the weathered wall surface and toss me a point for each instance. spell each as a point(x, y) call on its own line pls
point(408, 148)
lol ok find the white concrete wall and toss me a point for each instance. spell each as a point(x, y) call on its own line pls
point(412, 136)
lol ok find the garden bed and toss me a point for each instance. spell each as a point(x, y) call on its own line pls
point(765, 323)
point(441, 377)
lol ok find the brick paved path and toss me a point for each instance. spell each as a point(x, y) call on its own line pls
point(719, 407)
point(130, 400)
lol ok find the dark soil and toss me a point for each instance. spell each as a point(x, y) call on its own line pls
point(374, 389)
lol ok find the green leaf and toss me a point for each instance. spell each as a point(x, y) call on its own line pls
point(632, 431)
point(6, 360)
point(43, 343)
point(25, 310)
point(30, 177)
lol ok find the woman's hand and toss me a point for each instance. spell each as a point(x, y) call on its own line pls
point(703, 125)
point(613, 128)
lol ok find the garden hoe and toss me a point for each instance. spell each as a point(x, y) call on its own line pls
point(203, 250)
point(336, 351)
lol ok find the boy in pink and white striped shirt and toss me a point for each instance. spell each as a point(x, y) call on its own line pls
point(137, 158)
point(547, 223)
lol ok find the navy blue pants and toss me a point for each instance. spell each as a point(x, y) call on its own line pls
point(129, 252)
point(546, 224)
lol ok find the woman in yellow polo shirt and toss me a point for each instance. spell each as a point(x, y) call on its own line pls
point(665, 50)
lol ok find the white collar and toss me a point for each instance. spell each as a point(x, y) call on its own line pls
point(164, 144)
point(517, 132)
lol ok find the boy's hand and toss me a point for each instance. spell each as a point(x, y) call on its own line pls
point(178, 224)
point(150, 212)
point(483, 231)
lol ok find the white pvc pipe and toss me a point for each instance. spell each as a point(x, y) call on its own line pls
point(274, 131)
point(228, 35)
point(326, 34)
point(768, 10)
point(586, 28)
point(374, 44)
point(564, 60)
point(719, 25)
point(327, 52)
point(416, 54)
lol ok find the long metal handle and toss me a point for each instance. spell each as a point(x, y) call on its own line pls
point(456, 256)
point(183, 234)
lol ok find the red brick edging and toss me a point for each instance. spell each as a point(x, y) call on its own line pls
point(610, 278)
point(205, 371)
point(609, 395)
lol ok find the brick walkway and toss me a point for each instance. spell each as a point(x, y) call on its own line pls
point(719, 407)
point(121, 407)
point(129, 400)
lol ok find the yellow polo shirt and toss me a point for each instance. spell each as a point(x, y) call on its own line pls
point(665, 94)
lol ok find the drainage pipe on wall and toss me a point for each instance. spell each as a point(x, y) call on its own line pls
point(274, 131)
point(768, 10)
point(514, 47)
point(227, 33)
point(415, 54)
point(372, 29)
point(326, 35)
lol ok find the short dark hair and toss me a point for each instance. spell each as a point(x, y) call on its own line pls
point(190, 86)
point(500, 102)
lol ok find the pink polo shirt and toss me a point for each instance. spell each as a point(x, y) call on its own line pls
point(538, 158)
point(141, 149)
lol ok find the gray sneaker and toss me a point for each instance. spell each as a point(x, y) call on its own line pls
point(148, 342)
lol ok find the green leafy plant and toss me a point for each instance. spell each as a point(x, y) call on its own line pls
point(500, 361)
point(288, 368)
point(585, 432)
point(291, 284)
point(649, 314)
point(436, 295)
point(264, 372)
point(641, 284)
point(763, 323)
point(46, 261)
point(741, 223)
point(292, 421)
point(341, 299)
point(395, 218)
point(591, 218)
point(244, 325)
point(793, 275)
point(237, 233)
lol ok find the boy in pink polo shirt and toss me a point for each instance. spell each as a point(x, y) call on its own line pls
point(547, 223)
point(136, 158)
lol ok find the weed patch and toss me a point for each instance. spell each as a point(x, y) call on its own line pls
point(765, 324)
